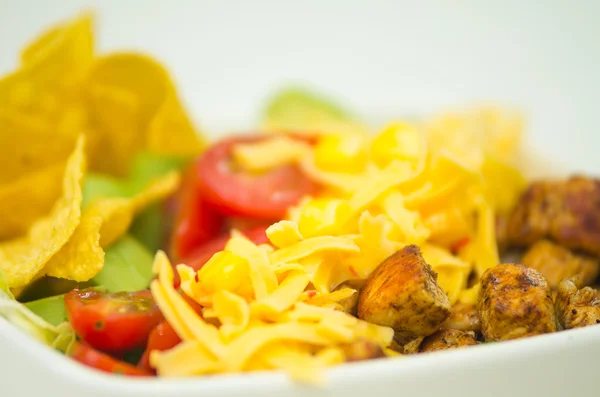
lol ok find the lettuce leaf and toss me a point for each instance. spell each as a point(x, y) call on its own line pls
point(52, 309)
point(298, 109)
point(59, 337)
point(148, 226)
point(127, 266)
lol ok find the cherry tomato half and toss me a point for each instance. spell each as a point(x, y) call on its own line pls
point(236, 192)
point(202, 254)
point(195, 221)
point(113, 322)
point(162, 337)
point(95, 359)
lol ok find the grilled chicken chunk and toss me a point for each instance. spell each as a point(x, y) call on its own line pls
point(515, 302)
point(565, 211)
point(362, 350)
point(577, 307)
point(411, 347)
point(403, 293)
point(463, 317)
point(557, 263)
point(446, 339)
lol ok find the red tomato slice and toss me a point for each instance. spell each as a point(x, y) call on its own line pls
point(162, 337)
point(235, 192)
point(95, 359)
point(113, 322)
point(202, 254)
point(195, 221)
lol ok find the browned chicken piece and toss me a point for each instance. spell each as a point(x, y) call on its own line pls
point(557, 263)
point(515, 302)
point(565, 211)
point(410, 347)
point(463, 317)
point(362, 350)
point(403, 293)
point(350, 304)
point(577, 307)
point(446, 339)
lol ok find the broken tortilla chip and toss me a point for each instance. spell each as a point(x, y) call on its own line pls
point(63, 53)
point(28, 144)
point(21, 259)
point(25, 200)
point(133, 93)
point(102, 223)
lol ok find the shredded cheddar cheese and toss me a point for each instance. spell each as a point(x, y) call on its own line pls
point(276, 306)
point(268, 154)
point(249, 327)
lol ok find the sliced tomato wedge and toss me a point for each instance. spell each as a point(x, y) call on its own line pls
point(114, 322)
point(195, 221)
point(162, 337)
point(95, 359)
point(202, 254)
point(236, 192)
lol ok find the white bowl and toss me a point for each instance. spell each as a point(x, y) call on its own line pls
point(546, 365)
point(384, 59)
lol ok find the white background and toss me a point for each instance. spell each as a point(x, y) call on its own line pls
point(383, 58)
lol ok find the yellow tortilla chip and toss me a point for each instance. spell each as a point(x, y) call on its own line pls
point(55, 61)
point(133, 105)
point(28, 144)
point(63, 53)
point(21, 259)
point(102, 223)
point(115, 110)
point(40, 121)
point(25, 200)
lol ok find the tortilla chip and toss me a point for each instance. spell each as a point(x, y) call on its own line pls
point(25, 200)
point(115, 134)
point(28, 144)
point(134, 94)
point(62, 54)
point(102, 223)
point(22, 259)
point(51, 69)
point(41, 114)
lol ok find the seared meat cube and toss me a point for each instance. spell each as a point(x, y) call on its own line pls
point(532, 218)
point(362, 350)
point(350, 304)
point(577, 307)
point(515, 302)
point(557, 263)
point(403, 293)
point(446, 339)
point(410, 347)
point(566, 211)
point(463, 317)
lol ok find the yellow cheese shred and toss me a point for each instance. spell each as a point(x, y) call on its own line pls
point(232, 311)
point(185, 359)
point(310, 246)
point(284, 233)
point(283, 297)
point(270, 153)
point(262, 275)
